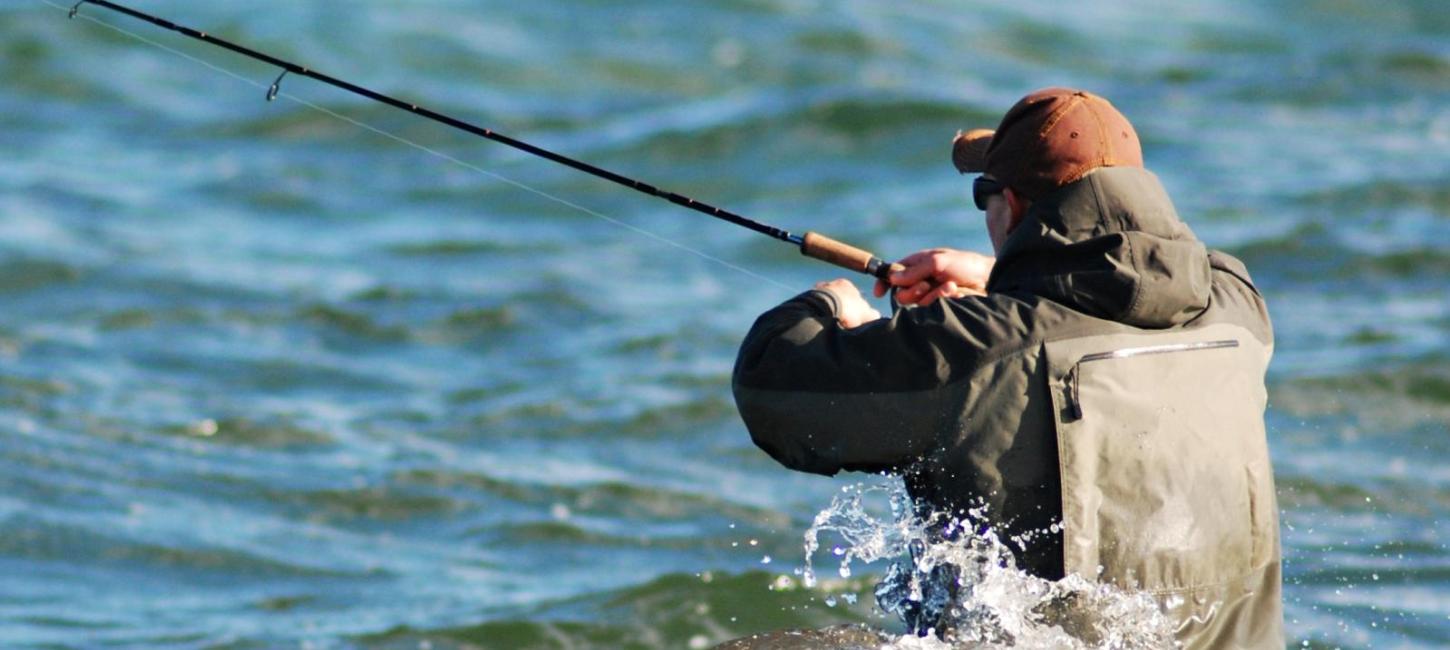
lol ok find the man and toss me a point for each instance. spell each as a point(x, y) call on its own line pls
point(1098, 386)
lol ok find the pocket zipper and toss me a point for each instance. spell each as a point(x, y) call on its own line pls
point(1074, 376)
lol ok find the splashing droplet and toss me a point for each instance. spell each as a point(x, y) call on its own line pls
point(956, 574)
point(559, 512)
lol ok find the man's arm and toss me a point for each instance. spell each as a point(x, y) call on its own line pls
point(821, 397)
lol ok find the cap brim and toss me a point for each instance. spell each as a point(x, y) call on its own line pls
point(969, 150)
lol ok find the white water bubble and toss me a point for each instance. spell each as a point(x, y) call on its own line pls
point(994, 598)
point(559, 512)
point(699, 642)
point(728, 53)
point(765, 560)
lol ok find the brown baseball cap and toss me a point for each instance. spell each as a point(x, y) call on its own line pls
point(1050, 138)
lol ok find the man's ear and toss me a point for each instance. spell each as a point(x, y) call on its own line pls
point(1017, 206)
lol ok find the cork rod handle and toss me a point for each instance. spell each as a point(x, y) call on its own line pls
point(845, 255)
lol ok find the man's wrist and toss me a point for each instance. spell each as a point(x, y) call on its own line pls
point(824, 300)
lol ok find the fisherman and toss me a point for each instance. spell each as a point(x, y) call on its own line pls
point(1094, 392)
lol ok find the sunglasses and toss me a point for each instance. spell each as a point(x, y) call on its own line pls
point(984, 187)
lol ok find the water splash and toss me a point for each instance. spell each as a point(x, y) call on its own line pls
point(957, 585)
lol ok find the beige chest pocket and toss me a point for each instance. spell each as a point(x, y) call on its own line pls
point(1165, 475)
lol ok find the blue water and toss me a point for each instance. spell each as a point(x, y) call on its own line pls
point(270, 379)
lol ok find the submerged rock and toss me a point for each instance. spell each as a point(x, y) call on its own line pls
point(837, 637)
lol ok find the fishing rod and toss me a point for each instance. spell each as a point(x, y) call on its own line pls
point(811, 244)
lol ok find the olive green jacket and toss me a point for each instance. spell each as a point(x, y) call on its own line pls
point(1112, 381)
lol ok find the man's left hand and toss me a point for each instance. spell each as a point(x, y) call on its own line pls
point(852, 309)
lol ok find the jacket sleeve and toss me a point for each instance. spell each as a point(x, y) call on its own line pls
point(821, 398)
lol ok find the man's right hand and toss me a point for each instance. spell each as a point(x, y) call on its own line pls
point(936, 273)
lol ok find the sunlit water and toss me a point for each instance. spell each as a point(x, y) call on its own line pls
point(271, 380)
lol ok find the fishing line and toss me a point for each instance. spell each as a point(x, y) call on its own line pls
point(450, 158)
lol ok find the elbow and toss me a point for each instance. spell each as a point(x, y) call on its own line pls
point(795, 454)
point(777, 431)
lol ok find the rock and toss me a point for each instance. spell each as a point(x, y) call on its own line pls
point(837, 637)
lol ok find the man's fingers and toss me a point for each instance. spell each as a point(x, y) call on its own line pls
point(859, 318)
point(946, 289)
point(936, 273)
point(841, 286)
point(911, 295)
point(912, 274)
point(922, 294)
point(880, 288)
point(915, 259)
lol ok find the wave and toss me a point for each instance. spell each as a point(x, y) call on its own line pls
point(1422, 381)
point(253, 432)
point(609, 500)
point(672, 611)
point(1430, 194)
point(1313, 253)
point(465, 247)
point(25, 274)
point(35, 540)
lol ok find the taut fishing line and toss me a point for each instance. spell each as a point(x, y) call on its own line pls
point(273, 91)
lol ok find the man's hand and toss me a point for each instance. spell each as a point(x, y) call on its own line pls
point(936, 273)
point(854, 310)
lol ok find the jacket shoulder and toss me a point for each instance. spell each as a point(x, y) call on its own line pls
point(1236, 298)
point(1223, 262)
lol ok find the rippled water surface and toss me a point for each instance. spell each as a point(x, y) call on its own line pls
point(270, 379)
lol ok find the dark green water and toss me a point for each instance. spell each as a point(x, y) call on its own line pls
point(268, 379)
